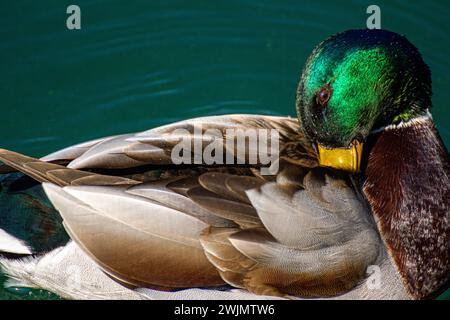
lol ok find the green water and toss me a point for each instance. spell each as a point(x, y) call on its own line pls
point(139, 64)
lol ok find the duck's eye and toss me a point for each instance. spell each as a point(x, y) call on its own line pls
point(323, 95)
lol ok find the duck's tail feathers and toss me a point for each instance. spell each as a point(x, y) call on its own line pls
point(66, 271)
point(13, 245)
point(28, 222)
point(19, 271)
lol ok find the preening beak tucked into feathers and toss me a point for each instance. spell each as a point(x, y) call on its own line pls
point(346, 159)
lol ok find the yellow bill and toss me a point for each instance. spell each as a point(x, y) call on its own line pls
point(347, 159)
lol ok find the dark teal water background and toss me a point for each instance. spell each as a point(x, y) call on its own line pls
point(138, 64)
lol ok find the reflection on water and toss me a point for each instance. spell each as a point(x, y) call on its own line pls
point(136, 66)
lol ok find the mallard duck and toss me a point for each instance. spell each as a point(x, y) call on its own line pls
point(362, 189)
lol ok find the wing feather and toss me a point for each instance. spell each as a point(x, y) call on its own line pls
point(57, 174)
point(158, 191)
point(154, 146)
point(131, 248)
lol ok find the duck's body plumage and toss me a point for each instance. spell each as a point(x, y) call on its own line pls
point(171, 228)
point(294, 229)
point(303, 232)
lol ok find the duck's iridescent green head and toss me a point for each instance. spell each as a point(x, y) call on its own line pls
point(358, 81)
